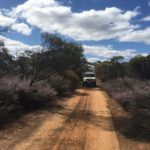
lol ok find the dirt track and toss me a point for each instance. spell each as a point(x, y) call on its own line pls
point(84, 124)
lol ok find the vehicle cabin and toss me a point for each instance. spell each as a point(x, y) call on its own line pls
point(89, 79)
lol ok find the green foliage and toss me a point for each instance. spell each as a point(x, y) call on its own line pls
point(61, 85)
point(105, 71)
point(116, 59)
point(6, 61)
point(73, 78)
point(128, 70)
point(137, 67)
point(141, 66)
point(8, 103)
point(64, 55)
point(109, 70)
point(55, 57)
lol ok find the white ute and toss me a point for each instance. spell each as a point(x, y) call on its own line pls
point(89, 79)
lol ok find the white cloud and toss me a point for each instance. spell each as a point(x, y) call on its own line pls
point(22, 28)
point(17, 46)
point(102, 52)
point(93, 59)
point(146, 18)
point(142, 35)
point(149, 3)
point(6, 21)
point(10, 21)
point(51, 16)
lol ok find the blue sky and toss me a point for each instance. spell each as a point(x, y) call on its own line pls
point(105, 27)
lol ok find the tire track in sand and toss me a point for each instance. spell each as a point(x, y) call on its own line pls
point(84, 124)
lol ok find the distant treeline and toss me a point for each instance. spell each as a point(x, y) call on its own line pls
point(137, 67)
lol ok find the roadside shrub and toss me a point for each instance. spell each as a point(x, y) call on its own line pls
point(134, 96)
point(61, 85)
point(17, 95)
point(73, 78)
point(8, 98)
point(32, 96)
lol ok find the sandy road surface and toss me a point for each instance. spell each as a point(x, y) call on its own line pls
point(84, 124)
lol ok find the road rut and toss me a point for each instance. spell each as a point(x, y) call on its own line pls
point(84, 124)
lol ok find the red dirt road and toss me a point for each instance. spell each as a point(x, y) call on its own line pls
point(84, 124)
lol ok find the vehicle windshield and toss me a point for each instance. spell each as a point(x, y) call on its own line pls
point(89, 75)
